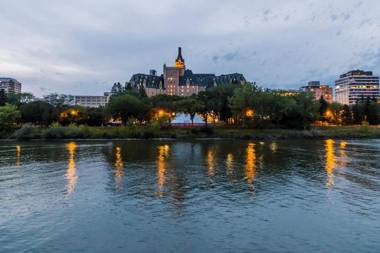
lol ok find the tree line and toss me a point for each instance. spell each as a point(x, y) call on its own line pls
point(243, 105)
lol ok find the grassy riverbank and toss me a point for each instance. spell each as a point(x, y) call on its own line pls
point(29, 132)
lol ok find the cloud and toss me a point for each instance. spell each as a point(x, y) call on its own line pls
point(83, 46)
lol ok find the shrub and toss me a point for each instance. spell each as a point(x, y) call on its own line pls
point(27, 132)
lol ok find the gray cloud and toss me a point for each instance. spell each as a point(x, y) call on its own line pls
point(83, 46)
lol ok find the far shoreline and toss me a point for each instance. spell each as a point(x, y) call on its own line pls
point(140, 133)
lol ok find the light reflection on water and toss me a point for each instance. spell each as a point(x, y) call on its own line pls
point(330, 162)
point(158, 196)
point(18, 155)
point(119, 165)
point(71, 175)
point(250, 167)
point(163, 155)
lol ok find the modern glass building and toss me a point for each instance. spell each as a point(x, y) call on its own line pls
point(355, 85)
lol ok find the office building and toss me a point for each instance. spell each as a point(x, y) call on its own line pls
point(318, 90)
point(355, 85)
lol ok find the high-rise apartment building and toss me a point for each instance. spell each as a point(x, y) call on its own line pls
point(10, 85)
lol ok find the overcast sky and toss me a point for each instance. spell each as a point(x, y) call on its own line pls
point(83, 46)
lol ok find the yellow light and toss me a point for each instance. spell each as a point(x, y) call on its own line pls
point(329, 114)
point(74, 113)
point(249, 113)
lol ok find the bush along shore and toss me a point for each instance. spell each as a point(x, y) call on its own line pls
point(56, 132)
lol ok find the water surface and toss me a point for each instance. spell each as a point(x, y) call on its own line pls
point(204, 196)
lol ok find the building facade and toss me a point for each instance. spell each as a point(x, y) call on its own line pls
point(10, 85)
point(179, 81)
point(318, 90)
point(355, 85)
point(92, 101)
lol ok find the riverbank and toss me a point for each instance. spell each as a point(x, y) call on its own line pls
point(29, 132)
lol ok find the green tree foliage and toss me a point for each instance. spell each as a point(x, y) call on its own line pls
point(127, 106)
point(301, 113)
point(366, 110)
point(242, 98)
point(3, 97)
point(117, 88)
point(95, 116)
point(20, 98)
point(347, 115)
point(9, 117)
point(38, 112)
point(323, 106)
point(165, 102)
point(219, 96)
point(190, 106)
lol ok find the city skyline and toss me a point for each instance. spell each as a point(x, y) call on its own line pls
point(281, 45)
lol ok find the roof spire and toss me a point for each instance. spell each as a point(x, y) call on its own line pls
point(180, 62)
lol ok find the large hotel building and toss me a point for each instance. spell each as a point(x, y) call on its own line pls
point(179, 81)
point(356, 85)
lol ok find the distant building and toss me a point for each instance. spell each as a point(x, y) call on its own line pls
point(177, 80)
point(10, 85)
point(355, 85)
point(92, 101)
point(318, 90)
point(286, 93)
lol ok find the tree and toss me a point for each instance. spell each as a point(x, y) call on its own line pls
point(219, 96)
point(9, 117)
point(128, 106)
point(20, 98)
point(72, 115)
point(357, 112)
point(335, 111)
point(166, 102)
point(242, 98)
point(373, 113)
point(3, 97)
point(189, 105)
point(302, 113)
point(204, 104)
point(323, 106)
point(95, 116)
point(346, 115)
point(38, 112)
point(117, 88)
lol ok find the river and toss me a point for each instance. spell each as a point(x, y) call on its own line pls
point(200, 196)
